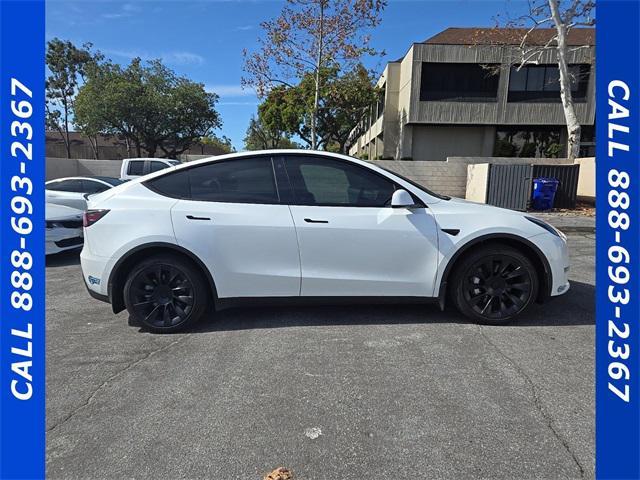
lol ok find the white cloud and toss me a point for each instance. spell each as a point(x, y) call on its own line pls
point(239, 104)
point(130, 7)
point(183, 58)
point(232, 90)
point(244, 28)
point(114, 16)
point(125, 11)
point(171, 58)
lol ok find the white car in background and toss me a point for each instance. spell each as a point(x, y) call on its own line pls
point(294, 225)
point(137, 167)
point(63, 228)
point(72, 191)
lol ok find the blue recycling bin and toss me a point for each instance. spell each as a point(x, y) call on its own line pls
point(544, 191)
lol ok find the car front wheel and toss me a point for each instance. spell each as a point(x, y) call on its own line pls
point(165, 293)
point(494, 284)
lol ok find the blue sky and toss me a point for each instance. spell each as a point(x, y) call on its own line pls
point(204, 40)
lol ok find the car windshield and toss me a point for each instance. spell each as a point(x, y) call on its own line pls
point(174, 162)
point(414, 184)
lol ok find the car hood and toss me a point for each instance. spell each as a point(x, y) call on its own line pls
point(60, 212)
point(481, 208)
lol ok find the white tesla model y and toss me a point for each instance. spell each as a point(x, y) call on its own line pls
point(312, 227)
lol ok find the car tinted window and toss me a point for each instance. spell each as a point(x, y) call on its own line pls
point(174, 184)
point(236, 181)
point(67, 186)
point(136, 167)
point(154, 166)
point(323, 181)
point(89, 186)
point(112, 181)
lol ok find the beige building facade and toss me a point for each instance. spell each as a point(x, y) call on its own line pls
point(461, 93)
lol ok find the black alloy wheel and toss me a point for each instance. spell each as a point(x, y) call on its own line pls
point(165, 294)
point(497, 287)
point(494, 285)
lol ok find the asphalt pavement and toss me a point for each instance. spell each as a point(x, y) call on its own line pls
point(358, 392)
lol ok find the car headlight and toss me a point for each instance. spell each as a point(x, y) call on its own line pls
point(548, 227)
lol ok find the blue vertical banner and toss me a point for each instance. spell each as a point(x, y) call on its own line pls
point(618, 240)
point(22, 225)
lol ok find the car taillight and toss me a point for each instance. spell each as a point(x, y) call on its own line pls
point(92, 216)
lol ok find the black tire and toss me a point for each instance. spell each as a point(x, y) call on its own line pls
point(166, 293)
point(494, 284)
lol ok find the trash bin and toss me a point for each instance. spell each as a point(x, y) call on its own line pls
point(544, 191)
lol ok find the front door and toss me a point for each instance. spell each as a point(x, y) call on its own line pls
point(352, 243)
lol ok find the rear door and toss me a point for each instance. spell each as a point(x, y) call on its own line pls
point(230, 215)
point(352, 243)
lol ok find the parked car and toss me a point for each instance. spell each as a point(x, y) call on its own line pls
point(72, 191)
point(137, 167)
point(64, 228)
point(308, 226)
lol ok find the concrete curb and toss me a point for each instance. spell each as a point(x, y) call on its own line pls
point(575, 229)
point(569, 223)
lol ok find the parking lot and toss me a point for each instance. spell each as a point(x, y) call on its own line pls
point(356, 392)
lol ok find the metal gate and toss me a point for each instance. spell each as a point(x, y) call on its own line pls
point(567, 175)
point(510, 186)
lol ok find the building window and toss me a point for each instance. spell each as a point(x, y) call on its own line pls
point(588, 141)
point(459, 82)
point(380, 102)
point(541, 83)
point(533, 142)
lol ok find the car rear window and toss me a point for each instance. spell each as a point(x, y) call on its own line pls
point(136, 167)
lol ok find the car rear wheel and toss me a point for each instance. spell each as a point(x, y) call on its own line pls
point(494, 284)
point(165, 293)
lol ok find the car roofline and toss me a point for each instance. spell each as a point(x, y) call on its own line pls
point(433, 198)
point(93, 179)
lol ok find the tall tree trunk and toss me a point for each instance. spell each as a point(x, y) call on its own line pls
point(151, 150)
point(573, 126)
point(67, 143)
point(93, 141)
point(316, 99)
point(128, 144)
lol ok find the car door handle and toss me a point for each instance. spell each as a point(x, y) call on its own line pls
point(311, 220)
point(191, 217)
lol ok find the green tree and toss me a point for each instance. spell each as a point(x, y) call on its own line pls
point(148, 105)
point(345, 100)
point(306, 38)
point(258, 137)
point(222, 143)
point(283, 113)
point(67, 67)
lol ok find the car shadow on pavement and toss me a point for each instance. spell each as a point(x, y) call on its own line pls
point(576, 307)
point(64, 259)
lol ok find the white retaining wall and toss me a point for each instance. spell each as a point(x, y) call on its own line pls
point(450, 177)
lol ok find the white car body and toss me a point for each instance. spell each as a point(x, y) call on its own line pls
point(64, 228)
point(267, 249)
point(71, 191)
point(137, 167)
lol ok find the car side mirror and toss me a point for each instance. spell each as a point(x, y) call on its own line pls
point(402, 199)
